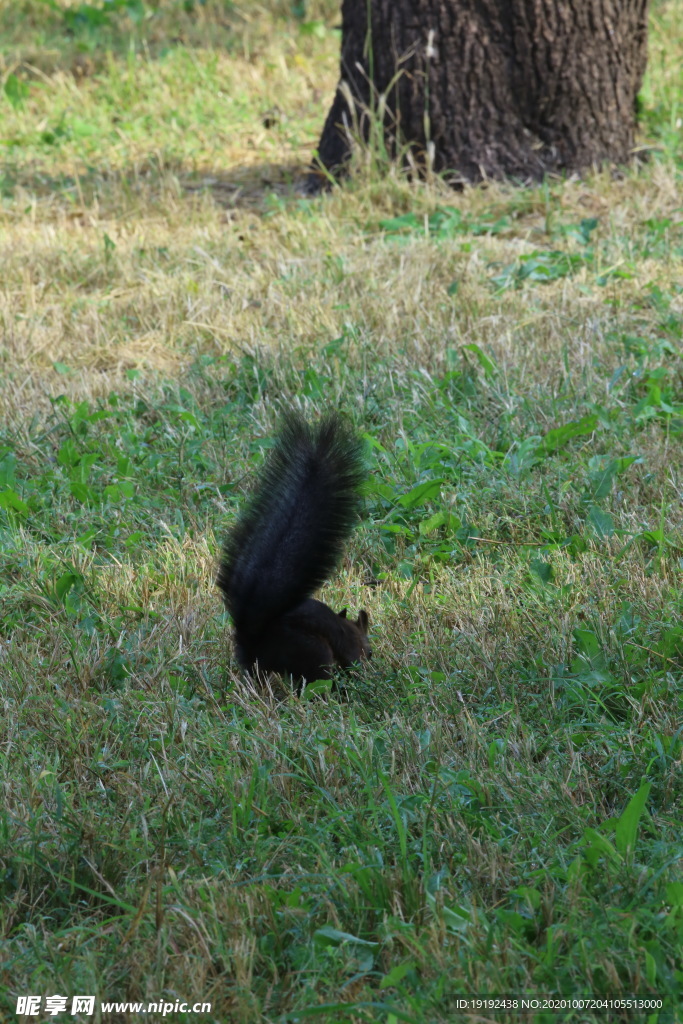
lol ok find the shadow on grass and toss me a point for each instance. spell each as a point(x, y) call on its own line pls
point(250, 186)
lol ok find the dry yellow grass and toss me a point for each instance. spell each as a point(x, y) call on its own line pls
point(189, 273)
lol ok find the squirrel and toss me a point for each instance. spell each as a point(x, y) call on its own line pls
point(286, 542)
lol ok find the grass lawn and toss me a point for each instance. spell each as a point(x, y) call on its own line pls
point(495, 805)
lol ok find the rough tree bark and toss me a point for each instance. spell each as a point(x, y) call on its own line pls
point(491, 88)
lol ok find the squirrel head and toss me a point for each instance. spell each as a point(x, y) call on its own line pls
point(360, 628)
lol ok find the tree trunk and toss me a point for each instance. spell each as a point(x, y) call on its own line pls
point(490, 88)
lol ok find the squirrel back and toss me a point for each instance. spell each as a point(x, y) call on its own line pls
point(287, 541)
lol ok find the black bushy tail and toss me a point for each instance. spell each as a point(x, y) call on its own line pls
point(290, 536)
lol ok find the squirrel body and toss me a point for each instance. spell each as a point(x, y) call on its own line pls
point(286, 542)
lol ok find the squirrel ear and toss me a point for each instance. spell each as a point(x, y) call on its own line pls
point(342, 613)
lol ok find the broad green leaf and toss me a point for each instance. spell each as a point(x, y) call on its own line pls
point(65, 583)
point(601, 521)
point(542, 570)
point(15, 90)
point(488, 365)
point(559, 437)
point(441, 518)
point(396, 974)
point(328, 936)
point(627, 824)
point(9, 499)
point(421, 494)
point(588, 644)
